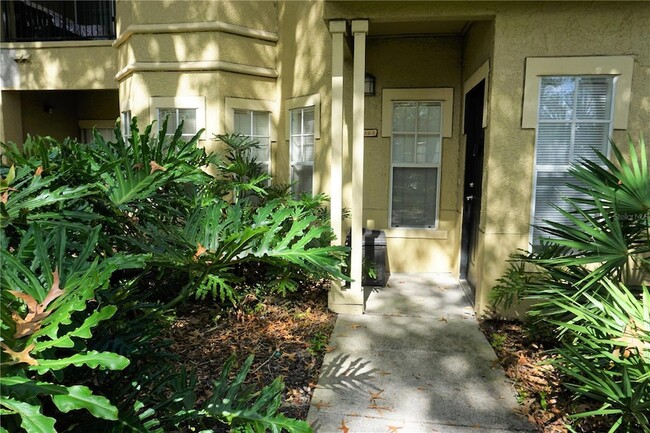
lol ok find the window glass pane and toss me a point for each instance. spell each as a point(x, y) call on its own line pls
point(242, 122)
point(308, 148)
point(308, 119)
point(574, 101)
point(553, 143)
point(302, 179)
point(556, 98)
point(296, 121)
point(260, 123)
point(551, 187)
point(414, 197)
point(262, 152)
point(428, 149)
point(170, 114)
point(404, 116)
point(296, 149)
point(188, 116)
point(403, 146)
point(588, 138)
point(429, 117)
point(593, 102)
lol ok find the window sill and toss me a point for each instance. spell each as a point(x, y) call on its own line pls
point(413, 233)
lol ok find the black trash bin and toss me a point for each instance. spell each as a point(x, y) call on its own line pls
point(375, 255)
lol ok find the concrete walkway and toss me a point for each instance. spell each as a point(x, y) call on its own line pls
point(415, 362)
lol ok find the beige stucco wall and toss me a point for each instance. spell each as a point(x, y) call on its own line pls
point(58, 65)
point(176, 43)
point(478, 47)
point(566, 29)
point(424, 62)
point(304, 68)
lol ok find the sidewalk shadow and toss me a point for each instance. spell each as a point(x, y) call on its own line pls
point(343, 371)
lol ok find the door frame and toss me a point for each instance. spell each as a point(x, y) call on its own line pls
point(479, 77)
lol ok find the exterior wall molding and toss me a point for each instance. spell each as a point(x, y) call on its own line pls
point(206, 65)
point(619, 66)
point(214, 26)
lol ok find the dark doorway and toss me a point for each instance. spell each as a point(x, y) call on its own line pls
point(473, 176)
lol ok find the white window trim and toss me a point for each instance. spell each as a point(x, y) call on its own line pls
point(619, 66)
point(437, 166)
point(303, 102)
point(445, 95)
point(233, 104)
point(293, 163)
point(179, 102)
point(481, 74)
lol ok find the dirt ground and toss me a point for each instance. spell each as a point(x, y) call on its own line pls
point(288, 337)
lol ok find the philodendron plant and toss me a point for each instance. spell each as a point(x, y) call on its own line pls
point(47, 311)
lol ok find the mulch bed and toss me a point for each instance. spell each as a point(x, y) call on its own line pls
point(287, 336)
point(542, 397)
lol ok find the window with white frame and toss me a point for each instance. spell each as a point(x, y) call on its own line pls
point(302, 128)
point(187, 109)
point(257, 126)
point(574, 121)
point(174, 118)
point(125, 123)
point(416, 143)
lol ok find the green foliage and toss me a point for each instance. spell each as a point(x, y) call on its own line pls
point(608, 357)
point(317, 343)
point(132, 227)
point(46, 313)
point(584, 280)
point(172, 403)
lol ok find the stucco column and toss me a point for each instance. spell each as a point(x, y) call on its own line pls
point(341, 300)
point(359, 30)
point(338, 30)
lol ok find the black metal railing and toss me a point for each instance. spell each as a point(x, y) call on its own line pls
point(69, 20)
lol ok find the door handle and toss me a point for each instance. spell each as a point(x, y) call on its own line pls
point(469, 198)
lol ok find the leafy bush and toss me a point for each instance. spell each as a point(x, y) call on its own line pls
point(136, 226)
point(585, 279)
point(45, 314)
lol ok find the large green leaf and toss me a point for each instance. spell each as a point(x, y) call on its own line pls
point(32, 420)
point(92, 359)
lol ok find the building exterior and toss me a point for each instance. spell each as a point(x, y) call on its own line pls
point(447, 124)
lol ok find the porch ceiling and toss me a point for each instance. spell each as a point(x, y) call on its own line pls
point(394, 28)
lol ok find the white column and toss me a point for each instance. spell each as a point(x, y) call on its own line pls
point(340, 299)
point(337, 29)
point(359, 30)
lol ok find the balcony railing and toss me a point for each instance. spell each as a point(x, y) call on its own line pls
point(69, 20)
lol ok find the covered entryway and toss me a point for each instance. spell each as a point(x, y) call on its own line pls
point(397, 148)
point(59, 113)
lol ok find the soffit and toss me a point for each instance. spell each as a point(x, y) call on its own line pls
point(397, 28)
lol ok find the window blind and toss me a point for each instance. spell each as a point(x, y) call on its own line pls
point(575, 121)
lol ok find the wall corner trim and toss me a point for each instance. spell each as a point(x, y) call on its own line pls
point(214, 26)
point(205, 65)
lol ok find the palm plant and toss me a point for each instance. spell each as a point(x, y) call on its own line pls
point(586, 280)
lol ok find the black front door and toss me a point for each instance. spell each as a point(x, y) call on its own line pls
point(473, 175)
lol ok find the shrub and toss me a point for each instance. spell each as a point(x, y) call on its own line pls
point(580, 282)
